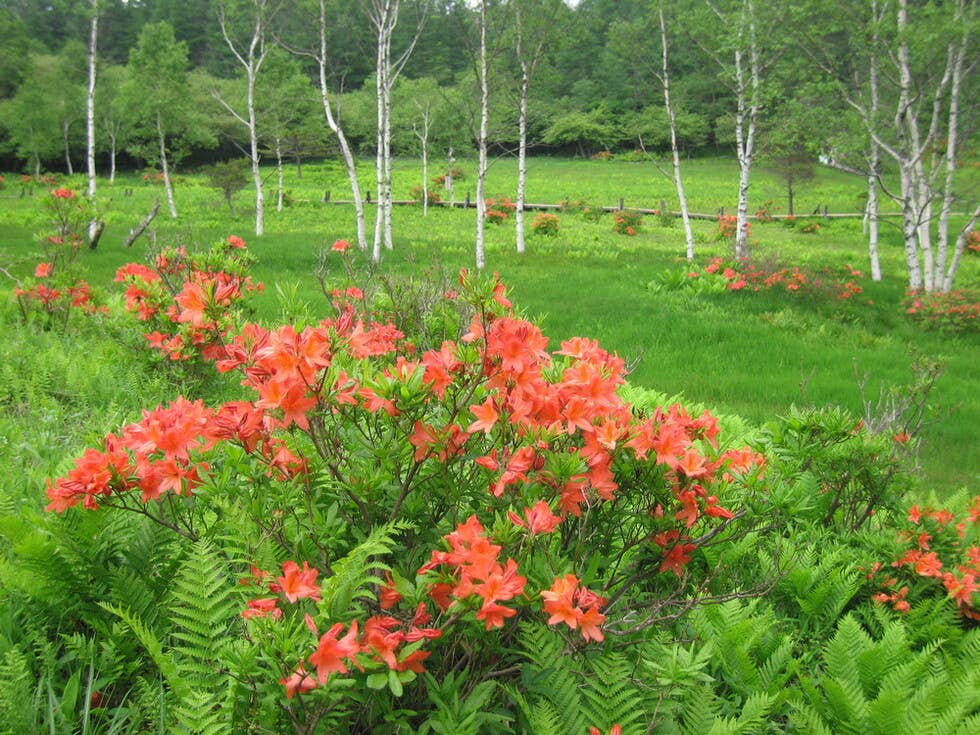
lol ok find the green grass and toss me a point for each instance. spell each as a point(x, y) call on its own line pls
point(750, 354)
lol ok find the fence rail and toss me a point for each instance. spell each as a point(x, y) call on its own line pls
point(819, 213)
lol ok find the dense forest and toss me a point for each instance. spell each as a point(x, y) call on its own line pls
point(595, 86)
point(874, 88)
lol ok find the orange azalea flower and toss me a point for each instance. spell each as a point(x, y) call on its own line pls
point(296, 583)
point(388, 596)
point(677, 558)
point(540, 519)
point(43, 270)
point(486, 414)
point(331, 651)
point(558, 601)
point(298, 683)
point(340, 246)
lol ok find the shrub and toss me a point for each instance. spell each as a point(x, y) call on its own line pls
point(603, 156)
point(403, 511)
point(498, 209)
point(973, 243)
point(727, 225)
point(56, 288)
point(545, 224)
point(190, 301)
point(627, 222)
point(848, 472)
point(811, 228)
point(764, 213)
point(416, 194)
point(946, 311)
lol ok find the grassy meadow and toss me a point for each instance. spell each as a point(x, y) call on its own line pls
point(753, 355)
point(144, 616)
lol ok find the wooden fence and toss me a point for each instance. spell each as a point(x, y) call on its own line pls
point(821, 212)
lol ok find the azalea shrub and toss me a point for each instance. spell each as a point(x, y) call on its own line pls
point(190, 301)
point(938, 552)
point(498, 209)
point(973, 243)
point(760, 275)
point(849, 470)
point(946, 311)
point(546, 224)
point(728, 225)
point(56, 289)
point(406, 511)
point(627, 222)
point(416, 195)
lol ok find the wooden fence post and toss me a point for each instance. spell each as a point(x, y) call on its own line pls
point(621, 203)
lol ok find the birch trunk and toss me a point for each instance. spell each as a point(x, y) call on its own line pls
point(747, 100)
point(906, 124)
point(958, 250)
point(278, 174)
point(90, 115)
point(423, 137)
point(874, 161)
point(334, 125)
point(251, 60)
point(167, 185)
point(64, 138)
point(379, 152)
point(678, 181)
point(481, 173)
point(521, 132)
point(112, 157)
point(952, 132)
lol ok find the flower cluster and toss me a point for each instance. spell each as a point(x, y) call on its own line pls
point(431, 196)
point(455, 174)
point(474, 570)
point(498, 208)
point(627, 222)
point(192, 301)
point(947, 311)
point(576, 606)
point(757, 276)
point(537, 449)
point(939, 548)
point(973, 242)
point(728, 226)
point(56, 289)
point(545, 224)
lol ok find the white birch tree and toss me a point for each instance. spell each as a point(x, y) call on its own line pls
point(740, 56)
point(481, 171)
point(671, 117)
point(534, 24)
point(333, 122)
point(93, 39)
point(250, 53)
point(384, 16)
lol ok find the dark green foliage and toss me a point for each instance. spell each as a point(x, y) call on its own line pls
point(855, 472)
point(886, 685)
point(230, 177)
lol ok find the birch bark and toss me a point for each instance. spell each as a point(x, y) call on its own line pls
point(678, 181)
point(90, 114)
point(481, 172)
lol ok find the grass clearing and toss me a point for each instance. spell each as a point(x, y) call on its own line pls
point(750, 354)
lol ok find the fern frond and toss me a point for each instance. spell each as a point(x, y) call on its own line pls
point(356, 574)
point(612, 695)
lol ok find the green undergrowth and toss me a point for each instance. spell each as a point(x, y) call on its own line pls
point(750, 354)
